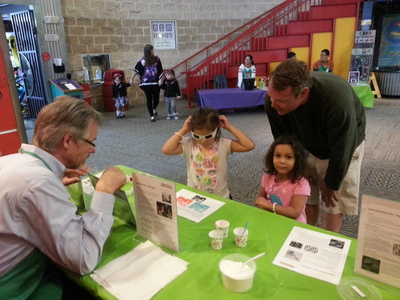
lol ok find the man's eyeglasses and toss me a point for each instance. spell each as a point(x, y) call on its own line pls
point(205, 137)
point(89, 142)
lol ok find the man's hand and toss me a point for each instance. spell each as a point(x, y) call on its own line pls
point(111, 180)
point(330, 197)
point(73, 175)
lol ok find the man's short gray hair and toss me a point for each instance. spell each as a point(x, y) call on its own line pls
point(66, 115)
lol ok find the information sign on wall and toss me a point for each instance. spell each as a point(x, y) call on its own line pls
point(362, 53)
point(163, 34)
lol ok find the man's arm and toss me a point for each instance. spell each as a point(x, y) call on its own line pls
point(71, 240)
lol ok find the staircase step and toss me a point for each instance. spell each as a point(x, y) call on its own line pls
point(280, 42)
point(313, 26)
point(333, 11)
point(237, 57)
point(266, 56)
point(330, 2)
point(281, 29)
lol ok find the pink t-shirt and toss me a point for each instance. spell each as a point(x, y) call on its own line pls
point(282, 192)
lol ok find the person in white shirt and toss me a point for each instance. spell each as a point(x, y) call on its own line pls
point(38, 221)
point(246, 70)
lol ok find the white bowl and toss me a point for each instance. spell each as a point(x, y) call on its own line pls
point(236, 277)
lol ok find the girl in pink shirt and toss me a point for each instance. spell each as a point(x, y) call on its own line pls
point(284, 190)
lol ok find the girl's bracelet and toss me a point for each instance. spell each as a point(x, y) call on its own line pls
point(273, 208)
point(180, 136)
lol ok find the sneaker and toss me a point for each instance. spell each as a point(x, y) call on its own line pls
point(155, 113)
point(169, 117)
point(152, 119)
point(122, 115)
point(176, 117)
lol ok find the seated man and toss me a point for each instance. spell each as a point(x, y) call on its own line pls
point(38, 223)
point(324, 64)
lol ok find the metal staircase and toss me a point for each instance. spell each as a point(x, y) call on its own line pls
point(268, 38)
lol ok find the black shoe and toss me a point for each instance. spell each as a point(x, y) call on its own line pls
point(152, 119)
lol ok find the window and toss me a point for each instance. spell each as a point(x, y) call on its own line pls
point(94, 66)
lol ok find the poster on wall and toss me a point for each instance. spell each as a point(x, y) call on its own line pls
point(362, 53)
point(389, 51)
point(163, 34)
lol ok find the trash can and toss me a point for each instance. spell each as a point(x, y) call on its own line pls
point(106, 87)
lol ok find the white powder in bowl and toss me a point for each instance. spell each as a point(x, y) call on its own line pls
point(235, 270)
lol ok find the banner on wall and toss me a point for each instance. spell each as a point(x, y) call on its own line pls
point(163, 34)
point(389, 51)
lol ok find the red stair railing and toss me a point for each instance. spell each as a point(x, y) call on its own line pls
point(197, 71)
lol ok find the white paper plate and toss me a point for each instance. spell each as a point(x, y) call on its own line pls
point(346, 291)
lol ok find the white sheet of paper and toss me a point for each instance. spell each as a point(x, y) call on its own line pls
point(139, 274)
point(195, 207)
point(378, 246)
point(156, 212)
point(315, 254)
point(70, 86)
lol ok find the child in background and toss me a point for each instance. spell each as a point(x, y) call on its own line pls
point(172, 90)
point(120, 95)
point(206, 152)
point(284, 190)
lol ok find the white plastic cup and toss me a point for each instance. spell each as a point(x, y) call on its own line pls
point(240, 236)
point(216, 239)
point(223, 225)
point(237, 277)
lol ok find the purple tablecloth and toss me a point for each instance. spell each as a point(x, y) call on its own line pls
point(230, 98)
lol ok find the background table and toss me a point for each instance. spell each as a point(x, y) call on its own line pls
point(364, 92)
point(230, 98)
point(202, 279)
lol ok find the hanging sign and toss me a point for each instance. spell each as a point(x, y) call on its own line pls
point(163, 34)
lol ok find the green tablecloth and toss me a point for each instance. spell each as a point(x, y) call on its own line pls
point(364, 92)
point(202, 279)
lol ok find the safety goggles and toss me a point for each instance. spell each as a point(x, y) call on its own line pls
point(207, 136)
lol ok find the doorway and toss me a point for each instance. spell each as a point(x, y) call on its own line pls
point(21, 34)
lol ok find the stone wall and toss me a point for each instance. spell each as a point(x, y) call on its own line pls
point(122, 28)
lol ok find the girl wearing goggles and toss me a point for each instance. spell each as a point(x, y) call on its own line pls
point(206, 152)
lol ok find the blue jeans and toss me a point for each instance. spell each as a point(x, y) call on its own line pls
point(171, 107)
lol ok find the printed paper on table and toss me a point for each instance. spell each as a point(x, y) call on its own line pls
point(315, 254)
point(196, 207)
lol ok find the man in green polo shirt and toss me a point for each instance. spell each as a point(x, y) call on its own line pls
point(323, 112)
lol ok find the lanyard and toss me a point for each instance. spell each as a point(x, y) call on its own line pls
point(35, 155)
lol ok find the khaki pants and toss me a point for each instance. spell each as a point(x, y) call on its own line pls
point(349, 190)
